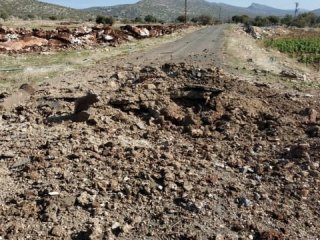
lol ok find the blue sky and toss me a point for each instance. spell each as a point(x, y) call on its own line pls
point(284, 4)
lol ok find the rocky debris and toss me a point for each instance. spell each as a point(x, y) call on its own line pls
point(172, 151)
point(289, 74)
point(249, 29)
point(85, 102)
point(312, 114)
point(270, 235)
point(38, 40)
point(138, 32)
point(28, 88)
point(300, 151)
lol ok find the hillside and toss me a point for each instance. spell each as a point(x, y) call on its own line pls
point(33, 8)
point(317, 11)
point(168, 9)
point(259, 9)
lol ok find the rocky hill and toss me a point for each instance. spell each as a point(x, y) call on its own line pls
point(37, 9)
point(168, 10)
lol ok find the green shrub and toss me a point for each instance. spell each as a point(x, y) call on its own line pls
point(105, 20)
point(138, 20)
point(53, 18)
point(205, 19)
point(182, 19)
point(150, 19)
point(4, 15)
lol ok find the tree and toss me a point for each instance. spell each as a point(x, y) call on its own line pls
point(274, 20)
point(261, 21)
point(305, 19)
point(100, 19)
point(138, 20)
point(182, 19)
point(105, 20)
point(287, 20)
point(150, 19)
point(53, 18)
point(205, 19)
point(240, 19)
point(195, 19)
point(109, 21)
point(4, 15)
point(31, 16)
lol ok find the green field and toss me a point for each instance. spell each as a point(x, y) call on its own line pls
point(304, 46)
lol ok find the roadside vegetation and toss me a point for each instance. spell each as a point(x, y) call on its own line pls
point(303, 20)
point(305, 46)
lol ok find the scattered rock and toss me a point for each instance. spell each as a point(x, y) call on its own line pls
point(58, 231)
point(299, 151)
point(28, 88)
point(85, 102)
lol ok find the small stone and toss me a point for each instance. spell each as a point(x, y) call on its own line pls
point(300, 151)
point(120, 75)
point(150, 86)
point(8, 154)
point(126, 228)
point(196, 133)
point(28, 88)
point(53, 194)
point(116, 229)
point(312, 115)
point(242, 201)
point(57, 231)
point(68, 201)
point(257, 196)
point(84, 199)
point(304, 192)
point(219, 237)
point(141, 125)
point(313, 131)
point(187, 186)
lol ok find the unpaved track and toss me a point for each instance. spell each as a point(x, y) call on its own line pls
point(200, 47)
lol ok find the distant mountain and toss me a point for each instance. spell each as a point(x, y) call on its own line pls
point(29, 8)
point(317, 11)
point(259, 9)
point(170, 9)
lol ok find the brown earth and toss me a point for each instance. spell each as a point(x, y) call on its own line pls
point(161, 144)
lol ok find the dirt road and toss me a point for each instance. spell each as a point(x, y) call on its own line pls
point(200, 47)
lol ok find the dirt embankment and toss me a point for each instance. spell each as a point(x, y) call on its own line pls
point(171, 151)
point(38, 40)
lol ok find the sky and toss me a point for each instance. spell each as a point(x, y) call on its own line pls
point(282, 4)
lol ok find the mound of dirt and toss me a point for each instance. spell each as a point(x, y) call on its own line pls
point(168, 152)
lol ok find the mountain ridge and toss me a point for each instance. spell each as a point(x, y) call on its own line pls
point(169, 10)
point(166, 10)
point(34, 8)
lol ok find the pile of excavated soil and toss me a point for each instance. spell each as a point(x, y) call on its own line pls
point(173, 152)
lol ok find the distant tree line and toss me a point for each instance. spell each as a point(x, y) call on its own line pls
point(303, 20)
point(201, 19)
